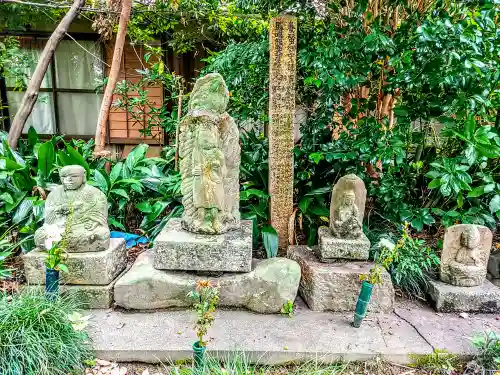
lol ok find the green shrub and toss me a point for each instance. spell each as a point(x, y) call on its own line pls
point(37, 336)
point(488, 350)
point(409, 260)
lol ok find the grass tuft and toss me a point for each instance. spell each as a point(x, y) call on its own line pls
point(37, 337)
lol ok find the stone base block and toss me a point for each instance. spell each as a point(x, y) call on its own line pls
point(484, 298)
point(336, 286)
point(265, 289)
point(178, 249)
point(494, 265)
point(88, 296)
point(331, 249)
point(92, 268)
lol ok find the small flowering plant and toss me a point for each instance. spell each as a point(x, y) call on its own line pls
point(56, 244)
point(205, 297)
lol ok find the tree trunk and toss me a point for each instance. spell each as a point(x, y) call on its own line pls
point(100, 134)
point(31, 95)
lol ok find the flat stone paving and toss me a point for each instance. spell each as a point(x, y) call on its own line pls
point(165, 336)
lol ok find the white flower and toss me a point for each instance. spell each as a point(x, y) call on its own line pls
point(54, 234)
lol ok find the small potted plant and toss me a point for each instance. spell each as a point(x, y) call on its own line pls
point(55, 245)
point(205, 297)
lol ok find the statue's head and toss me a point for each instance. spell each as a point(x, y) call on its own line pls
point(470, 237)
point(349, 198)
point(210, 92)
point(72, 176)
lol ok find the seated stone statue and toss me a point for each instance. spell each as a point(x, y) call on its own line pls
point(345, 223)
point(466, 268)
point(87, 206)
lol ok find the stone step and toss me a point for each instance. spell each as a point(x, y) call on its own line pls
point(265, 289)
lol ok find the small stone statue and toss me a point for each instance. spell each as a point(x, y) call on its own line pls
point(465, 254)
point(210, 160)
point(345, 224)
point(89, 222)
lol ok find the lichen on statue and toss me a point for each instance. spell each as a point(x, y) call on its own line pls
point(89, 206)
point(210, 159)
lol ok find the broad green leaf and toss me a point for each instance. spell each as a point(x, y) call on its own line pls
point(304, 203)
point(64, 158)
point(270, 240)
point(470, 154)
point(435, 183)
point(470, 126)
point(120, 192)
point(320, 191)
point(135, 156)
point(476, 192)
point(101, 181)
point(33, 138)
point(255, 228)
point(7, 198)
point(115, 172)
point(249, 193)
point(495, 204)
point(62, 267)
point(144, 207)
point(46, 158)
point(77, 158)
point(7, 164)
point(113, 222)
point(24, 209)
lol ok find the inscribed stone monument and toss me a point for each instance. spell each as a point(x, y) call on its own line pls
point(210, 160)
point(88, 208)
point(344, 238)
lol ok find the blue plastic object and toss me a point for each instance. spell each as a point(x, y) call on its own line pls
point(131, 240)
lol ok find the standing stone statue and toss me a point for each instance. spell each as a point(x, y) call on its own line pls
point(210, 160)
point(89, 206)
point(344, 239)
point(466, 249)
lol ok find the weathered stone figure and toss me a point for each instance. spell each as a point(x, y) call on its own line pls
point(345, 224)
point(210, 160)
point(465, 255)
point(89, 225)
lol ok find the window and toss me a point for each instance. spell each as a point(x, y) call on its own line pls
point(67, 103)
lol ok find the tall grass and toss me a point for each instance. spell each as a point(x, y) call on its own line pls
point(37, 337)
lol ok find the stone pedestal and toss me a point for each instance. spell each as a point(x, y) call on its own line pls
point(270, 284)
point(178, 249)
point(91, 275)
point(331, 249)
point(484, 298)
point(336, 286)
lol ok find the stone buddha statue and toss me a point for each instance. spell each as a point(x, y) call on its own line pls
point(87, 206)
point(210, 160)
point(466, 268)
point(345, 222)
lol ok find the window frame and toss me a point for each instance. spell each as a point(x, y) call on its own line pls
point(54, 90)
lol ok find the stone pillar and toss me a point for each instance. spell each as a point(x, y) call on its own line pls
point(282, 77)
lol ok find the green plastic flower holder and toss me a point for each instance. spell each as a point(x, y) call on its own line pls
point(364, 297)
point(51, 283)
point(199, 355)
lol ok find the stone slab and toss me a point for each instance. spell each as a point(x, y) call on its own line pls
point(178, 249)
point(336, 286)
point(89, 296)
point(164, 336)
point(331, 248)
point(446, 331)
point(494, 265)
point(265, 289)
point(484, 298)
point(92, 268)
